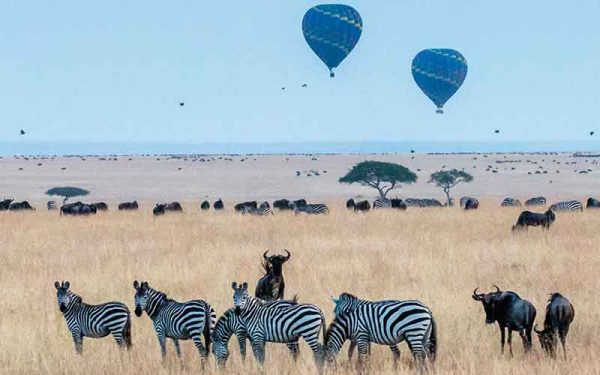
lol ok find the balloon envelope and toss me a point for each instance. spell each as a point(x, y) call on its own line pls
point(332, 31)
point(439, 73)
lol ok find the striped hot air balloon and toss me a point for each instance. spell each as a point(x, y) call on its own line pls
point(332, 31)
point(439, 73)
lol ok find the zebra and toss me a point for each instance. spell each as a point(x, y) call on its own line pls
point(536, 201)
point(176, 320)
point(51, 205)
point(510, 202)
point(229, 324)
point(382, 203)
point(463, 201)
point(567, 206)
point(264, 209)
point(386, 323)
point(94, 321)
point(415, 202)
point(312, 209)
point(271, 322)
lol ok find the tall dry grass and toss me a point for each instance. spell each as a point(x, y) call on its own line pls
point(437, 256)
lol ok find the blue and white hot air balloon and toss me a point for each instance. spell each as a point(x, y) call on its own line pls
point(439, 73)
point(332, 31)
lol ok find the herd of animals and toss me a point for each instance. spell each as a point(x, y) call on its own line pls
point(267, 317)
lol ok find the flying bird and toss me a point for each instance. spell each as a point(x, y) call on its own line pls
point(304, 85)
point(181, 104)
point(283, 88)
point(22, 132)
point(591, 133)
point(497, 131)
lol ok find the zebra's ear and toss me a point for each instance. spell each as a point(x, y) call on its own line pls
point(245, 286)
point(334, 300)
point(57, 285)
point(67, 285)
point(144, 285)
point(234, 285)
point(136, 285)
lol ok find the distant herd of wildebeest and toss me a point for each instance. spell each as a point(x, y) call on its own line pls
point(268, 317)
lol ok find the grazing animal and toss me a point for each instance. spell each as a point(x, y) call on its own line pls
point(536, 201)
point(176, 320)
point(283, 205)
point(398, 204)
point(382, 203)
point(128, 206)
point(205, 206)
point(270, 322)
point(159, 209)
point(559, 316)
point(218, 205)
point(510, 202)
point(471, 204)
point(592, 203)
point(362, 206)
point(510, 312)
point(272, 285)
point(534, 219)
point(263, 209)
point(312, 209)
point(174, 206)
point(245, 206)
point(385, 323)
point(567, 206)
point(77, 208)
point(463, 201)
point(350, 204)
point(94, 321)
point(51, 205)
point(5, 204)
point(20, 206)
point(100, 206)
point(415, 202)
point(300, 203)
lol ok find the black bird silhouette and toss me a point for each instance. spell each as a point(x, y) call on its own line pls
point(412, 151)
point(181, 104)
point(283, 88)
point(591, 133)
point(497, 131)
point(305, 85)
point(22, 132)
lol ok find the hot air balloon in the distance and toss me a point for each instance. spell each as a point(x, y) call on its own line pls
point(332, 31)
point(439, 73)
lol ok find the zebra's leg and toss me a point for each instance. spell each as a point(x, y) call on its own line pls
point(258, 348)
point(416, 343)
point(318, 351)
point(294, 349)
point(363, 345)
point(177, 348)
point(351, 350)
point(395, 355)
point(197, 339)
point(241, 338)
point(160, 335)
point(78, 341)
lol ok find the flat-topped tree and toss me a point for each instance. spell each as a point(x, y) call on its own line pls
point(379, 175)
point(67, 192)
point(449, 179)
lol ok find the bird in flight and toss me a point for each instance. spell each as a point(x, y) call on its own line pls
point(181, 104)
point(305, 85)
point(22, 132)
point(283, 88)
point(591, 133)
point(497, 131)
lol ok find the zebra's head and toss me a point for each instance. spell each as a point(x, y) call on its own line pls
point(63, 295)
point(240, 296)
point(141, 296)
point(345, 303)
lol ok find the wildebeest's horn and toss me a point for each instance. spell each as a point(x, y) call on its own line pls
point(265, 254)
point(497, 289)
point(475, 295)
point(288, 256)
point(536, 330)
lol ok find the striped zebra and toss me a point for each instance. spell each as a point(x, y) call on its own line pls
point(415, 202)
point(463, 201)
point(313, 209)
point(536, 201)
point(385, 323)
point(228, 325)
point(567, 206)
point(175, 320)
point(270, 322)
point(264, 209)
point(94, 321)
point(382, 203)
point(510, 202)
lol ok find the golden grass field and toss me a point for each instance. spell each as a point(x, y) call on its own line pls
point(435, 255)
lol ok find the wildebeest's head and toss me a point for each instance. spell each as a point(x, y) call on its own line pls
point(276, 261)
point(141, 296)
point(63, 295)
point(488, 299)
point(240, 296)
point(546, 339)
point(550, 215)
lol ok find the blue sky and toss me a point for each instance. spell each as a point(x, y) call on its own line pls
point(114, 71)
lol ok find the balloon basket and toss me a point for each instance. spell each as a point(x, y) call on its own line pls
point(439, 111)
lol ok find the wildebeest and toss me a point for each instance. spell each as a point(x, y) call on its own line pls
point(592, 203)
point(245, 206)
point(559, 315)
point(299, 203)
point(534, 219)
point(350, 204)
point(471, 204)
point(128, 206)
point(5, 204)
point(463, 201)
point(77, 208)
point(173, 206)
point(536, 201)
point(20, 206)
point(283, 204)
point(272, 285)
point(218, 205)
point(398, 204)
point(362, 206)
point(204, 205)
point(511, 312)
point(100, 206)
point(159, 209)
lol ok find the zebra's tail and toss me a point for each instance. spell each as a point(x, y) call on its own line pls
point(127, 332)
point(432, 342)
point(209, 324)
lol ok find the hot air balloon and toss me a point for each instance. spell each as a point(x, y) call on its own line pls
point(332, 31)
point(439, 73)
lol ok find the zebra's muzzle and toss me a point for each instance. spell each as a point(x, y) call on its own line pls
point(238, 310)
point(138, 311)
point(62, 307)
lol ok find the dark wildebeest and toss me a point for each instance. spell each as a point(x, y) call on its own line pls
point(204, 205)
point(398, 204)
point(592, 203)
point(471, 204)
point(77, 208)
point(20, 206)
point(159, 209)
point(272, 286)
point(100, 206)
point(174, 206)
point(559, 315)
point(299, 203)
point(128, 206)
point(510, 311)
point(218, 205)
point(245, 206)
point(283, 204)
point(350, 204)
point(5, 204)
point(362, 206)
point(534, 219)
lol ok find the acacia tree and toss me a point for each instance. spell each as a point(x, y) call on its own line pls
point(67, 192)
point(379, 175)
point(449, 179)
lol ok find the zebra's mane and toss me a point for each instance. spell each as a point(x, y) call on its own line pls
point(76, 298)
point(348, 296)
point(334, 325)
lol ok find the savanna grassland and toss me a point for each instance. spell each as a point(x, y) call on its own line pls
point(435, 255)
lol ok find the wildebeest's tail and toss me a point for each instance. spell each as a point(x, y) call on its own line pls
point(432, 341)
